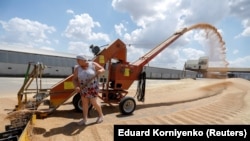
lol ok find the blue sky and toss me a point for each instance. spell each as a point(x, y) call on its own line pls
point(73, 25)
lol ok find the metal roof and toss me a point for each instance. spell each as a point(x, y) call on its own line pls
point(31, 50)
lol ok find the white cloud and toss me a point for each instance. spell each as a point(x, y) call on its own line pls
point(47, 48)
point(246, 29)
point(246, 32)
point(205, 11)
point(154, 22)
point(119, 29)
point(79, 47)
point(80, 28)
point(19, 30)
point(159, 19)
point(193, 54)
point(168, 58)
point(134, 53)
point(69, 11)
point(241, 9)
point(236, 51)
point(240, 62)
point(246, 25)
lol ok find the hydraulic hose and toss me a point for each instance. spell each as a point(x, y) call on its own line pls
point(141, 87)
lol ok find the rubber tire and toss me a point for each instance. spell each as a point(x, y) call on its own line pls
point(127, 105)
point(77, 102)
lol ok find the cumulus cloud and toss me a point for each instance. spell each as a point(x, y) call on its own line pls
point(120, 28)
point(240, 62)
point(192, 53)
point(69, 11)
point(81, 27)
point(241, 9)
point(18, 30)
point(153, 22)
point(144, 12)
point(204, 11)
point(168, 58)
point(157, 20)
point(79, 47)
point(246, 25)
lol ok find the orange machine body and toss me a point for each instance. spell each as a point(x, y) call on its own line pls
point(119, 75)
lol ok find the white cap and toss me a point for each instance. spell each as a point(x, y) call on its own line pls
point(82, 57)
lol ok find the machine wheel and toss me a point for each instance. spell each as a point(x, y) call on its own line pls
point(127, 105)
point(77, 102)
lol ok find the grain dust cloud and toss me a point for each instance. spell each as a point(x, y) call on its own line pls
point(214, 45)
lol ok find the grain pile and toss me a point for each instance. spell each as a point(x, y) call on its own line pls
point(187, 101)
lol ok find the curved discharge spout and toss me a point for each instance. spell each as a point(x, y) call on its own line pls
point(216, 45)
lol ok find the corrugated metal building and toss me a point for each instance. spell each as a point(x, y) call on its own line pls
point(14, 62)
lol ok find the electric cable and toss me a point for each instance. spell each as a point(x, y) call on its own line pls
point(141, 87)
